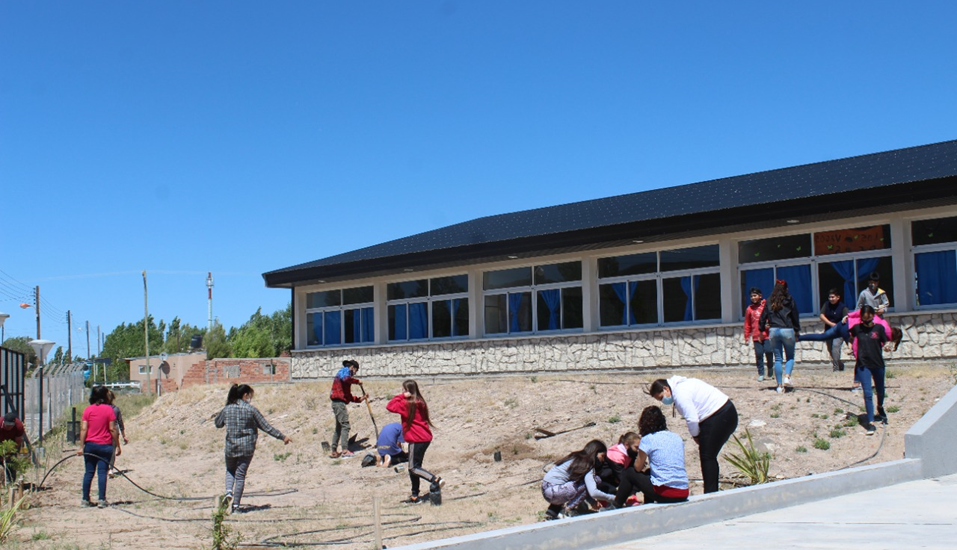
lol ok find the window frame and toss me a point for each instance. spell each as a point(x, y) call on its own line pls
point(914, 250)
point(533, 290)
point(341, 309)
point(428, 300)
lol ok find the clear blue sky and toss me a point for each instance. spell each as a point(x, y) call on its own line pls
point(242, 137)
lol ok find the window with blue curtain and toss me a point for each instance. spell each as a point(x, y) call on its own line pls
point(398, 322)
point(314, 329)
point(418, 321)
point(798, 278)
point(333, 324)
point(936, 277)
point(756, 278)
point(549, 309)
point(368, 324)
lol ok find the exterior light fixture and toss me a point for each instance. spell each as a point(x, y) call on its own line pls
point(408, 270)
point(510, 257)
point(638, 241)
point(794, 221)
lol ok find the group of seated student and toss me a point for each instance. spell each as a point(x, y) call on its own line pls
point(650, 463)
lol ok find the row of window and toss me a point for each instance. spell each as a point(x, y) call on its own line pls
point(645, 289)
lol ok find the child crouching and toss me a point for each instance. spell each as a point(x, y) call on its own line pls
point(572, 481)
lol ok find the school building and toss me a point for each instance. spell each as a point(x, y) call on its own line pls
point(652, 279)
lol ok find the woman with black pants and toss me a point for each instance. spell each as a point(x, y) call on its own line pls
point(710, 415)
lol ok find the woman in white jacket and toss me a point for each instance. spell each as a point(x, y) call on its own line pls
point(709, 413)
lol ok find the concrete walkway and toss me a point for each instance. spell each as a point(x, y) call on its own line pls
point(916, 514)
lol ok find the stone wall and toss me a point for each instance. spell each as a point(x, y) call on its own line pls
point(699, 346)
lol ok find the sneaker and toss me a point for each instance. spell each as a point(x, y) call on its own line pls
point(632, 501)
point(779, 389)
point(855, 389)
point(237, 509)
point(414, 499)
point(334, 454)
point(552, 515)
point(436, 486)
point(881, 415)
point(87, 504)
point(347, 454)
point(869, 429)
point(787, 380)
point(760, 378)
point(102, 504)
point(228, 502)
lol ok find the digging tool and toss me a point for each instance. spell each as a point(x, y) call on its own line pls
point(368, 406)
point(545, 434)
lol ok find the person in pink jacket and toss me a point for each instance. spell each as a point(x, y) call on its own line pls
point(416, 430)
point(753, 333)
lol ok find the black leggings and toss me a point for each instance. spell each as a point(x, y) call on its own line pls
point(416, 472)
point(716, 430)
point(633, 481)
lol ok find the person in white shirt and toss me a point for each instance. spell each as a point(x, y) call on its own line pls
point(709, 413)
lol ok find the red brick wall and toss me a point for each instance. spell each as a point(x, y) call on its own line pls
point(250, 371)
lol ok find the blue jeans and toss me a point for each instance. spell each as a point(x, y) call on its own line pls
point(762, 348)
point(782, 341)
point(98, 462)
point(864, 375)
point(839, 330)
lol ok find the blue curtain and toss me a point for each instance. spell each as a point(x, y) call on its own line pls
point(622, 294)
point(760, 278)
point(846, 270)
point(799, 285)
point(632, 288)
point(864, 270)
point(317, 327)
point(368, 324)
point(689, 305)
point(936, 277)
point(401, 326)
point(333, 324)
point(514, 305)
point(418, 321)
point(553, 300)
point(357, 325)
point(454, 308)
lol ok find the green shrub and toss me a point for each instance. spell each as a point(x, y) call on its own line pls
point(614, 419)
point(801, 449)
point(837, 434)
point(752, 464)
point(893, 409)
point(821, 444)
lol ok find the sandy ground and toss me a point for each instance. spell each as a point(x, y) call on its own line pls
point(304, 498)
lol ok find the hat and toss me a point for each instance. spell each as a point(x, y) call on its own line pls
point(350, 363)
point(10, 418)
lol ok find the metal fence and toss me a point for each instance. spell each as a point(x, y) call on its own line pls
point(12, 370)
point(63, 387)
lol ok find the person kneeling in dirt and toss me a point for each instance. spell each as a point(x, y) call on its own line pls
point(664, 454)
point(618, 458)
point(389, 446)
point(341, 396)
point(572, 484)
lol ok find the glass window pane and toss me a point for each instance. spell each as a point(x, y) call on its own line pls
point(368, 325)
point(936, 231)
point(332, 320)
point(839, 276)
point(442, 318)
point(936, 273)
point(884, 267)
point(397, 322)
point(763, 279)
point(689, 258)
point(677, 299)
point(325, 298)
point(611, 304)
point(877, 237)
point(418, 321)
point(644, 302)
point(450, 285)
point(352, 325)
point(798, 278)
point(558, 273)
point(314, 329)
point(633, 264)
point(519, 312)
point(496, 314)
point(549, 310)
point(508, 278)
point(460, 317)
point(407, 289)
point(707, 296)
point(572, 308)
point(776, 248)
point(359, 295)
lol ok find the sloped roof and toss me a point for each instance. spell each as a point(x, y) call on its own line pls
point(714, 204)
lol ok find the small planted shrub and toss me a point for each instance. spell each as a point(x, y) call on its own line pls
point(614, 419)
point(822, 444)
point(893, 409)
point(801, 449)
point(749, 462)
point(837, 434)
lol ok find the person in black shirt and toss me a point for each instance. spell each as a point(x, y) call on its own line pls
point(833, 313)
point(871, 338)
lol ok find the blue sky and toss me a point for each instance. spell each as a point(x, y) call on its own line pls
point(242, 137)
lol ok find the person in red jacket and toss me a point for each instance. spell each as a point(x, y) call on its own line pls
point(753, 333)
point(341, 395)
point(414, 411)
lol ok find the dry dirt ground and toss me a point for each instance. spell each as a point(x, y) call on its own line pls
point(303, 498)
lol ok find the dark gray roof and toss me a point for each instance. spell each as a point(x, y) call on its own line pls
point(580, 224)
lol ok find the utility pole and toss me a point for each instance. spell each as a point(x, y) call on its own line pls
point(69, 337)
point(37, 307)
point(146, 331)
point(209, 286)
point(87, 340)
point(98, 352)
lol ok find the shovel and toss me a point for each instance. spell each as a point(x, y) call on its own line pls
point(368, 406)
point(545, 434)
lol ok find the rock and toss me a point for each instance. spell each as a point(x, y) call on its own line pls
point(757, 423)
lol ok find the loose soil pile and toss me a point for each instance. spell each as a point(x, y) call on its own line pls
point(301, 497)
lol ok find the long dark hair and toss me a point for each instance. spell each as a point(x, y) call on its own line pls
point(778, 296)
point(415, 402)
point(652, 420)
point(237, 392)
point(583, 461)
point(99, 395)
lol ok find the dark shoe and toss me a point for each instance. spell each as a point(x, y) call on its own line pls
point(87, 504)
point(869, 429)
point(436, 486)
point(238, 509)
point(553, 515)
point(102, 504)
point(881, 415)
point(415, 499)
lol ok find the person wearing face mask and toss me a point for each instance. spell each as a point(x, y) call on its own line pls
point(242, 422)
point(617, 460)
point(874, 296)
point(663, 453)
point(870, 338)
point(754, 333)
point(709, 414)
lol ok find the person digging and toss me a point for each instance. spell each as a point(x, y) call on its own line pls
point(341, 396)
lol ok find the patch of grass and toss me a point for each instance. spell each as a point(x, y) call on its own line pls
point(281, 457)
point(824, 417)
point(511, 402)
point(614, 419)
point(801, 449)
point(776, 407)
point(315, 430)
point(8, 519)
point(892, 409)
point(533, 379)
point(132, 403)
point(41, 535)
point(775, 415)
point(822, 444)
point(850, 422)
point(837, 434)
point(890, 375)
point(838, 411)
point(815, 415)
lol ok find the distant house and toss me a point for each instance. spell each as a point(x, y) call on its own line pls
point(175, 367)
point(652, 279)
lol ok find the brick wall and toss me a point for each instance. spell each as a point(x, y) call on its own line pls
point(233, 371)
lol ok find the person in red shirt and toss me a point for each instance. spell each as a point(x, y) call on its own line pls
point(11, 430)
point(341, 395)
point(98, 433)
point(752, 332)
point(416, 429)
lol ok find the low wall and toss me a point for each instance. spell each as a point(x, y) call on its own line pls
point(696, 346)
point(233, 371)
point(930, 444)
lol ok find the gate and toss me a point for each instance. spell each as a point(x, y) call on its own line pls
point(12, 370)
